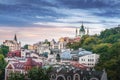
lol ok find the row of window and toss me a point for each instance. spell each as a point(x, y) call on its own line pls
point(75, 77)
point(90, 60)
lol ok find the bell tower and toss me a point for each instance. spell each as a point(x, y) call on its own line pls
point(82, 30)
point(15, 38)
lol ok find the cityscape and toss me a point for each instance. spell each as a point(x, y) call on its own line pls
point(59, 40)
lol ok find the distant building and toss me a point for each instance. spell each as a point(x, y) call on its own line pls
point(16, 53)
point(82, 31)
point(89, 60)
point(21, 67)
point(13, 44)
point(68, 72)
point(30, 47)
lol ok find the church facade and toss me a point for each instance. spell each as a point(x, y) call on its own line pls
point(13, 44)
point(82, 31)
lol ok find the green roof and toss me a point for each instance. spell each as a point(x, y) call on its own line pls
point(82, 28)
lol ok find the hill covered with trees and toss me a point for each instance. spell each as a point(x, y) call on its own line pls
point(107, 44)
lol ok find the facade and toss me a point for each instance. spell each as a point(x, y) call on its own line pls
point(13, 44)
point(81, 31)
point(16, 53)
point(68, 72)
point(89, 60)
point(21, 66)
point(30, 47)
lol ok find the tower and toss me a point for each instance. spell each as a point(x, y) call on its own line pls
point(87, 31)
point(15, 37)
point(82, 30)
point(76, 34)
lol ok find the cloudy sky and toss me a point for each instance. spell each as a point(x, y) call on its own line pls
point(36, 20)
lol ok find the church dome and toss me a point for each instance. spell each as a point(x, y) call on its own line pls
point(82, 29)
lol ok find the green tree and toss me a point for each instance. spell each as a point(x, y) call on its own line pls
point(101, 48)
point(39, 74)
point(25, 46)
point(75, 45)
point(16, 76)
point(4, 50)
point(2, 67)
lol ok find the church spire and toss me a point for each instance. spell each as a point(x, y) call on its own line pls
point(87, 31)
point(15, 37)
point(76, 32)
point(82, 30)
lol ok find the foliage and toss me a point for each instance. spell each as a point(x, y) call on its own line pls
point(75, 45)
point(4, 50)
point(39, 74)
point(107, 44)
point(25, 46)
point(16, 76)
point(100, 48)
point(33, 74)
point(2, 66)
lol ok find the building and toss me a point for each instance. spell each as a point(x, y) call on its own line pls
point(13, 44)
point(21, 66)
point(30, 47)
point(81, 31)
point(69, 72)
point(16, 53)
point(89, 60)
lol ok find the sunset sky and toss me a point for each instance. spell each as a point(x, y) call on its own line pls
point(36, 20)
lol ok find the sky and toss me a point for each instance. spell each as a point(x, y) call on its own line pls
point(37, 20)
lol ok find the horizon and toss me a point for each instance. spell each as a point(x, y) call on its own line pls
point(35, 21)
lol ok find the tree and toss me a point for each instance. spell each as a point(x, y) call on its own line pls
point(2, 66)
point(16, 76)
point(101, 48)
point(39, 74)
point(4, 50)
point(74, 46)
point(25, 46)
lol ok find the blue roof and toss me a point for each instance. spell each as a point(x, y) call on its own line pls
point(66, 55)
point(84, 53)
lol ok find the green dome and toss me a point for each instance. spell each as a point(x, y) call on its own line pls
point(82, 29)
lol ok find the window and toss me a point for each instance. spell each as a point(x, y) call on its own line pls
point(60, 77)
point(53, 76)
point(84, 78)
point(69, 78)
point(76, 76)
point(94, 79)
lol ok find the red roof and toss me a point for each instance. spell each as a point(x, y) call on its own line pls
point(78, 65)
point(16, 53)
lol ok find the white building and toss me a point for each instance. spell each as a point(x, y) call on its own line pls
point(12, 44)
point(42, 48)
point(89, 60)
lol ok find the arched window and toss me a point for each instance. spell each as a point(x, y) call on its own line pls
point(76, 76)
point(69, 78)
point(60, 77)
point(53, 76)
point(84, 78)
point(94, 79)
